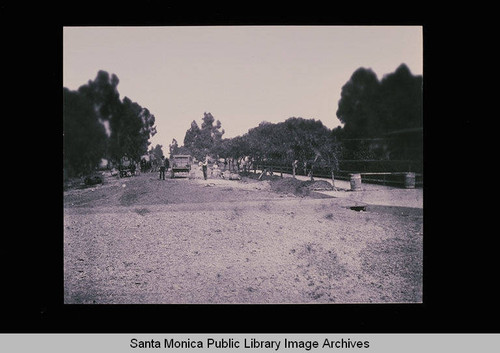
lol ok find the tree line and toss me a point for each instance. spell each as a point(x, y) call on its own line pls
point(382, 121)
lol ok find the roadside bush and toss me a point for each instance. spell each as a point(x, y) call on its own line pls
point(93, 180)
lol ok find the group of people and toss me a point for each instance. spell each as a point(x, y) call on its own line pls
point(165, 164)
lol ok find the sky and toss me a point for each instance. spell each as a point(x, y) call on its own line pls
point(243, 75)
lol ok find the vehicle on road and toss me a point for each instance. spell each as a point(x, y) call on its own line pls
point(180, 163)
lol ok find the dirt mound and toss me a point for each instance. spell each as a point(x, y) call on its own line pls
point(298, 187)
point(319, 185)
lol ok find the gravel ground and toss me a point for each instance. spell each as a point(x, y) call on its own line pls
point(141, 240)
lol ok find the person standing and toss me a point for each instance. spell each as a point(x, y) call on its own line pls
point(294, 167)
point(204, 167)
point(162, 168)
point(143, 165)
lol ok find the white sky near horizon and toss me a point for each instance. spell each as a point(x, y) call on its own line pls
point(243, 75)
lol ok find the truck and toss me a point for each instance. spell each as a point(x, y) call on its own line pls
point(180, 163)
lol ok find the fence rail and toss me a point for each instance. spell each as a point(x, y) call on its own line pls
point(396, 178)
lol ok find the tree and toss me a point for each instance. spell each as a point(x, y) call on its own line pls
point(213, 132)
point(358, 105)
point(261, 143)
point(156, 152)
point(191, 134)
point(380, 117)
point(310, 143)
point(237, 149)
point(305, 137)
point(87, 113)
point(98, 125)
point(103, 94)
point(306, 141)
point(131, 128)
point(173, 147)
point(204, 141)
point(84, 135)
point(401, 100)
point(128, 125)
point(401, 113)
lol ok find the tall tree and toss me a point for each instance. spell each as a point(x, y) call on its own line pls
point(84, 136)
point(97, 124)
point(358, 106)
point(261, 142)
point(191, 135)
point(102, 92)
point(173, 148)
point(204, 141)
point(131, 128)
point(213, 132)
point(401, 100)
point(382, 119)
point(306, 137)
point(156, 152)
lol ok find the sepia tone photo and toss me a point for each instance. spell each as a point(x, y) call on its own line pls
point(243, 165)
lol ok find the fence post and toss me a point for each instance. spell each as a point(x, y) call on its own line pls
point(410, 180)
point(355, 182)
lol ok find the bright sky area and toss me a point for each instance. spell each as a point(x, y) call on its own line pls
point(243, 75)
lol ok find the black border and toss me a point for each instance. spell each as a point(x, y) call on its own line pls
point(36, 303)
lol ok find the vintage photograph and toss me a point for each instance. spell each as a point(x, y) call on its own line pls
point(243, 164)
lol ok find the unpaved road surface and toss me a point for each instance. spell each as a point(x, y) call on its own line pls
point(141, 240)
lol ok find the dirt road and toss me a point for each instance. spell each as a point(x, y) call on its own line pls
point(142, 240)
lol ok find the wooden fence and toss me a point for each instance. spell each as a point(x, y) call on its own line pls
point(370, 171)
